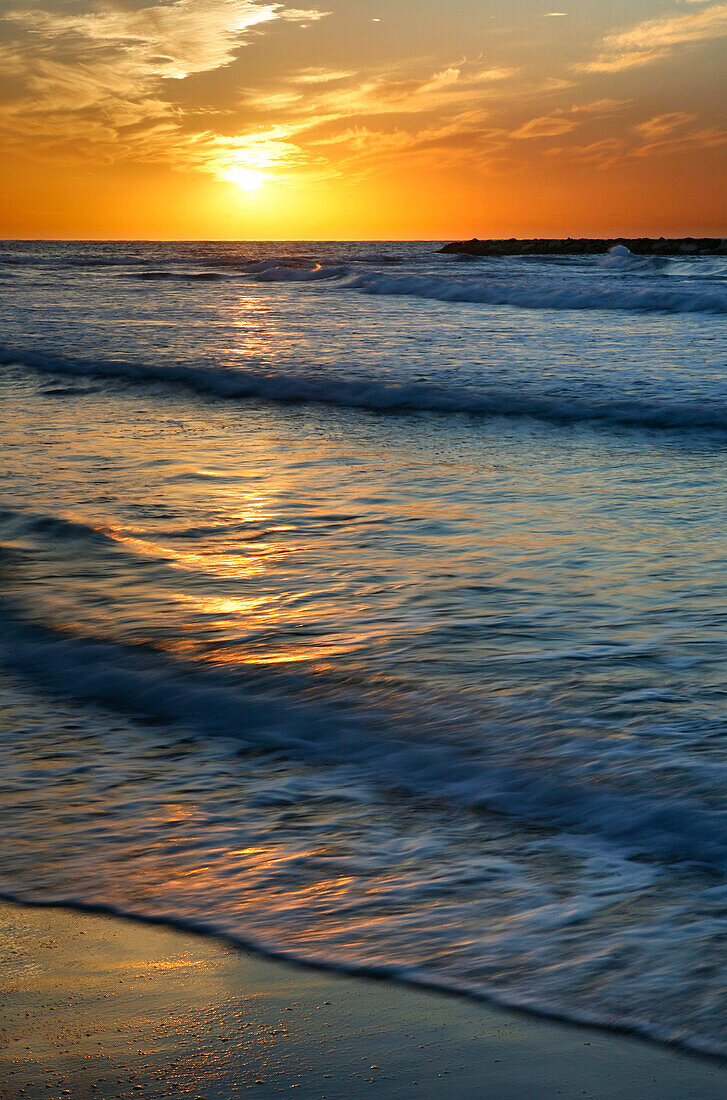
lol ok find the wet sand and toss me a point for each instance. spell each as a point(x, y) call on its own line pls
point(93, 1006)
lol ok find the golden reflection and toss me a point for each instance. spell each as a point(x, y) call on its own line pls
point(227, 616)
point(256, 330)
point(234, 657)
point(267, 858)
point(218, 563)
point(265, 616)
point(240, 535)
point(219, 605)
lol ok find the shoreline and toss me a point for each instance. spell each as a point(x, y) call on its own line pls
point(113, 1007)
point(385, 975)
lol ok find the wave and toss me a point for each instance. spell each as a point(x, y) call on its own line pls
point(275, 272)
point(59, 259)
point(618, 281)
point(619, 258)
point(384, 396)
point(267, 713)
point(376, 258)
point(198, 276)
point(523, 292)
point(264, 271)
point(537, 295)
point(20, 522)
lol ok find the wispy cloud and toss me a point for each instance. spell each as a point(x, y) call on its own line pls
point(112, 81)
point(658, 137)
point(656, 39)
point(406, 90)
point(600, 108)
point(161, 41)
point(120, 63)
point(103, 84)
point(545, 127)
point(102, 80)
point(668, 134)
point(321, 76)
point(660, 125)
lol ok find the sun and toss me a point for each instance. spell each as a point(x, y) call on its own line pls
point(248, 179)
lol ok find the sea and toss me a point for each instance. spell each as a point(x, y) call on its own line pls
point(367, 606)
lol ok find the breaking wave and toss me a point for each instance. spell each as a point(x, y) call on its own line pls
point(542, 296)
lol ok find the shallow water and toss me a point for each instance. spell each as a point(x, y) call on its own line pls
point(369, 606)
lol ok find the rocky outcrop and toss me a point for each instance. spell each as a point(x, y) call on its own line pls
point(640, 246)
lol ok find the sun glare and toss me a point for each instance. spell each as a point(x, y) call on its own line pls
point(247, 179)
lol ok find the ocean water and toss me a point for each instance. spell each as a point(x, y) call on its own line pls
point(369, 606)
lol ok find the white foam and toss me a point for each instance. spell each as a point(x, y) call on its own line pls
point(281, 273)
point(545, 296)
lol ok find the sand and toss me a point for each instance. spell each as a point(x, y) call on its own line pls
point(94, 1006)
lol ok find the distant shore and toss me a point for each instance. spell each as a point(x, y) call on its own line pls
point(93, 1006)
point(573, 246)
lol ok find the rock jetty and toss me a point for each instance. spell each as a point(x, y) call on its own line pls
point(640, 246)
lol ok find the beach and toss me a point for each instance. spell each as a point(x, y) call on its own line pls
point(96, 1006)
point(363, 543)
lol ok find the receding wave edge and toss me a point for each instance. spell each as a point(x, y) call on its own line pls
point(412, 977)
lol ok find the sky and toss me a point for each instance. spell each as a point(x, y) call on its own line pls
point(362, 119)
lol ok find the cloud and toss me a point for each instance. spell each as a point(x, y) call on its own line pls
point(359, 150)
point(708, 137)
point(595, 154)
point(661, 136)
point(600, 108)
point(336, 95)
point(663, 124)
point(674, 133)
point(123, 62)
point(656, 39)
point(103, 80)
point(162, 41)
point(321, 76)
point(545, 127)
point(104, 84)
point(109, 81)
point(360, 123)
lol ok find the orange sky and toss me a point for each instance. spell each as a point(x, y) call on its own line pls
point(355, 119)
